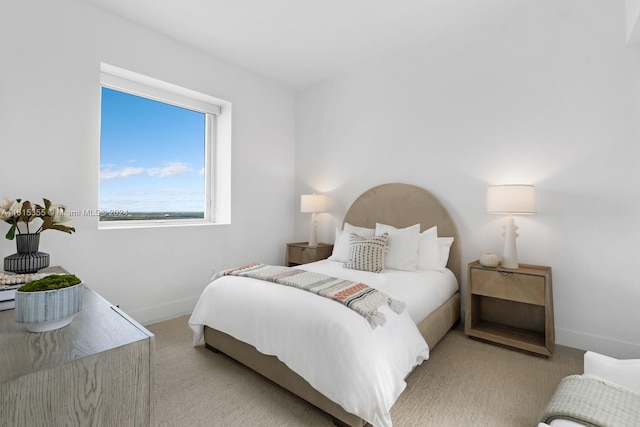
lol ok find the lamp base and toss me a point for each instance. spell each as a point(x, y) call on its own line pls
point(510, 253)
point(313, 235)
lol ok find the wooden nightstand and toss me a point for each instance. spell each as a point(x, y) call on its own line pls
point(511, 307)
point(301, 253)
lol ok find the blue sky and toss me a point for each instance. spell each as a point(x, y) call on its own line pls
point(151, 155)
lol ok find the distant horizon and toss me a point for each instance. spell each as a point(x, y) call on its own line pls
point(157, 212)
point(165, 211)
point(150, 216)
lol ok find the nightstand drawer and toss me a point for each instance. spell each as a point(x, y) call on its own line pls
point(506, 285)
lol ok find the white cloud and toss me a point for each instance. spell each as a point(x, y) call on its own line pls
point(170, 169)
point(156, 192)
point(120, 173)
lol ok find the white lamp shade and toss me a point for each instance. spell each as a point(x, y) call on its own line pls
point(511, 199)
point(312, 203)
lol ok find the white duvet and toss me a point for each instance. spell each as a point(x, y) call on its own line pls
point(331, 346)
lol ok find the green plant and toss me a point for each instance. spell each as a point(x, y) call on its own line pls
point(50, 283)
point(17, 213)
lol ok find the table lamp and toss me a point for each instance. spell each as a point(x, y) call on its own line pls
point(313, 203)
point(511, 199)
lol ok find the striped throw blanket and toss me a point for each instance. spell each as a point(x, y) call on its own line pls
point(359, 297)
point(593, 402)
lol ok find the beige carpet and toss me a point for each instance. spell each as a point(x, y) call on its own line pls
point(464, 383)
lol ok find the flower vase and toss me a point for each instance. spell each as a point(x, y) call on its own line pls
point(28, 259)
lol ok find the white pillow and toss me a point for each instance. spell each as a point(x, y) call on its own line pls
point(341, 245)
point(624, 372)
point(429, 251)
point(402, 246)
point(338, 252)
point(433, 253)
point(445, 248)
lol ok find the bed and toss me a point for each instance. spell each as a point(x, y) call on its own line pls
point(397, 205)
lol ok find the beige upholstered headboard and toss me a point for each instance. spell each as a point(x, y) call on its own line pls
point(403, 205)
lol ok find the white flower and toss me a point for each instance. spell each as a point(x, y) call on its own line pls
point(5, 208)
point(51, 216)
point(16, 208)
point(6, 203)
point(58, 215)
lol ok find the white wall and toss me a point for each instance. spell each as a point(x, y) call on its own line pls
point(49, 136)
point(544, 94)
point(632, 13)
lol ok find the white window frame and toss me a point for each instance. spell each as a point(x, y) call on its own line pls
point(217, 142)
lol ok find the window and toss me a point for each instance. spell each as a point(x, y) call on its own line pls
point(164, 153)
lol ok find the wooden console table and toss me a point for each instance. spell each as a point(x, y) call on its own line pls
point(96, 371)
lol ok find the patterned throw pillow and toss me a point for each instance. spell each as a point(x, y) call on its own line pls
point(367, 254)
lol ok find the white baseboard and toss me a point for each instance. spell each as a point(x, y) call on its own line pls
point(603, 345)
point(160, 313)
